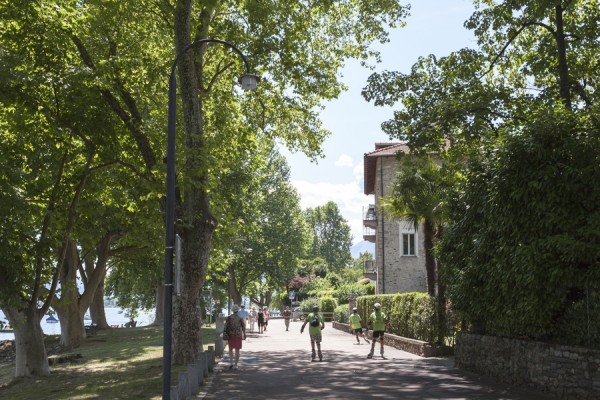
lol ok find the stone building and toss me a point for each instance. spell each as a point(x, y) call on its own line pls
point(399, 252)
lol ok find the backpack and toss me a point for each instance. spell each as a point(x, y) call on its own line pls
point(315, 321)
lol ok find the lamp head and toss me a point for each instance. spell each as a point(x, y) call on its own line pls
point(249, 81)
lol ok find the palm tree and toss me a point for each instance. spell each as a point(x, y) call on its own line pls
point(418, 197)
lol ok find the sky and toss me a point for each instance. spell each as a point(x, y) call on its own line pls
point(434, 27)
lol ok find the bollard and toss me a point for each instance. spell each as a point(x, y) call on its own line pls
point(219, 327)
point(211, 358)
point(183, 386)
point(203, 360)
point(174, 394)
point(193, 378)
point(199, 373)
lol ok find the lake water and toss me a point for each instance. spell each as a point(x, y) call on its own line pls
point(113, 317)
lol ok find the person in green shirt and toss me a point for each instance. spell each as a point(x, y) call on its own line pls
point(356, 325)
point(377, 321)
point(317, 324)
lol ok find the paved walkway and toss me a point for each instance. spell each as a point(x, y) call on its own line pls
point(276, 365)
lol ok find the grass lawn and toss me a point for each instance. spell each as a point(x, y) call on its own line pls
point(115, 364)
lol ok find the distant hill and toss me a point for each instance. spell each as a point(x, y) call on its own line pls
point(362, 247)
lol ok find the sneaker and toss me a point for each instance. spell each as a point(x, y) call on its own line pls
point(370, 355)
point(320, 356)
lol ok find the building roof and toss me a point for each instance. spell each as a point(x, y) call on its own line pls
point(370, 161)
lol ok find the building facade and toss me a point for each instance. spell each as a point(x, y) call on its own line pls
point(399, 251)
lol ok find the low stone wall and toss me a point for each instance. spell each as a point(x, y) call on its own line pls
point(564, 371)
point(418, 347)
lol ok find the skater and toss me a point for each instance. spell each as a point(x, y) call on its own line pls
point(317, 324)
point(356, 325)
point(378, 322)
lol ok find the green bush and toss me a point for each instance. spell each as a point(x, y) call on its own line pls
point(328, 305)
point(345, 292)
point(341, 313)
point(412, 315)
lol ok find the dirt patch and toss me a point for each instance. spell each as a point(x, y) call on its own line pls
point(8, 351)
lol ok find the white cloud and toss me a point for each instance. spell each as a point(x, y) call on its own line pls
point(349, 198)
point(344, 161)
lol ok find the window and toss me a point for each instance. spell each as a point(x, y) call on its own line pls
point(408, 244)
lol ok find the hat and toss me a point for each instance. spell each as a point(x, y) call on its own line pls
point(235, 308)
point(355, 309)
point(316, 308)
point(242, 306)
point(377, 305)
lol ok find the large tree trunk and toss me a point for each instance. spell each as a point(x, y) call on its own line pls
point(70, 317)
point(71, 306)
point(197, 221)
point(29, 341)
point(97, 311)
point(159, 313)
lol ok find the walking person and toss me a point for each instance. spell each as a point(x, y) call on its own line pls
point(235, 330)
point(287, 314)
point(261, 321)
point(317, 324)
point(356, 325)
point(252, 317)
point(243, 313)
point(378, 322)
point(267, 316)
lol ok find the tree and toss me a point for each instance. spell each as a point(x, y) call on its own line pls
point(259, 204)
point(66, 147)
point(278, 36)
point(478, 109)
point(331, 237)
point(522, 250)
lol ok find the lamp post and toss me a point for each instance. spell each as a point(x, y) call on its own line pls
point(248, 82)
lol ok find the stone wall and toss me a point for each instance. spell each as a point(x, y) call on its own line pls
point(418, 347)
point(564, 371)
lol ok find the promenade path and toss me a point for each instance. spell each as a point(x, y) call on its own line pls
point(276, 365)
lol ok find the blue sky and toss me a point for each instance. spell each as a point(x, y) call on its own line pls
point(434, 27)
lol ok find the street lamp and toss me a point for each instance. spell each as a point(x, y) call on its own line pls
point(248, 82)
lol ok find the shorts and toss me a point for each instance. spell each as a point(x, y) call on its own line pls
point(317, 337)
point(377, 334)
point(235, 342)
point(357, 330)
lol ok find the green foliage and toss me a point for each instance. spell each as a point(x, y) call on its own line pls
point(317, 287)
point(331, 237)
point(341, 313)
point(327, 305)
point(352, 290)
point(413, 315)
point(524, 243)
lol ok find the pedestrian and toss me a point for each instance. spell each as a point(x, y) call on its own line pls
point(243, 313)
point(267, 316)
point(378, 322)
point(261, 320)
point(317, 324)
point(356, 325)
point(252, 317)
point(287, 314)
point(235, 332)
